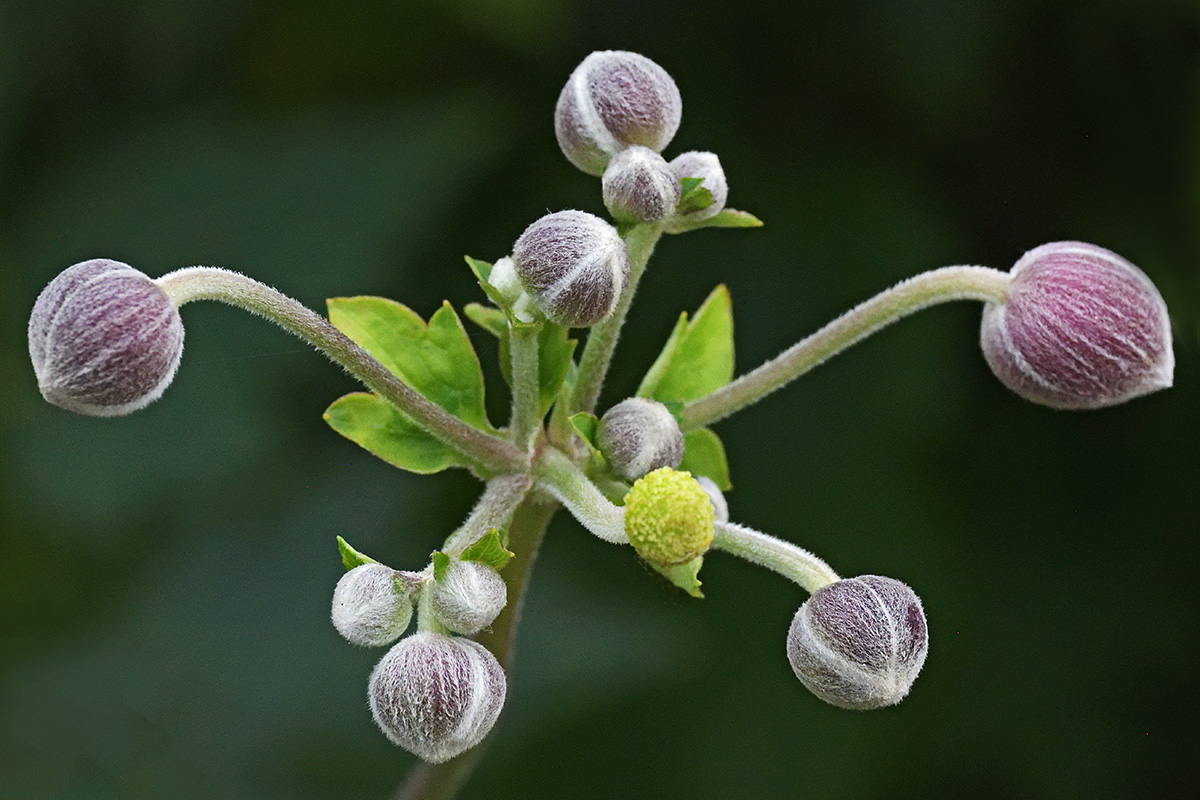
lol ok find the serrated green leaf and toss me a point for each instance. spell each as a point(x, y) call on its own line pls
point(685, 576)
point(555, 352)
point(700, 358)
point(704, 455)
point(489, 550)
point(659, 368)
point(436, 358)
point(492, 320)
point(351, 558)
point(441, 562)
point(377, 426)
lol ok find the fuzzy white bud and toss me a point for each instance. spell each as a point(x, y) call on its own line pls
point(639, 186)
point(638, 436)
point(699, 164)
point(371, 606)
point(437, 696)
point(469, 597)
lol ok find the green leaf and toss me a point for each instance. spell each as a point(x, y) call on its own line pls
point(482, 271)
point(698, 357)
point(555, 353)
point(490, 319)
point(435, 359)
point(693, 196)
point(704, 455)
point(377, 426)
point(441, 562)
point(351, 558)
point(489, 550)
point(685, 576)
point(727, 218)
point(585, 425)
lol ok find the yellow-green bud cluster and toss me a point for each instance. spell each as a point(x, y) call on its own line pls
point(668, 517)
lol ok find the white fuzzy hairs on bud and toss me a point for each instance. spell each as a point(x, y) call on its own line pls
point(638, 436)
point(469, 597)
point(639, 186)
point(706, 166)
point(437, 696)
point(369, 608)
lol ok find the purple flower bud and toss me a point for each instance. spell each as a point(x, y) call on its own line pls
point(639, 186)
point(104, 339)
point(699, 164)
point(436, 695)
point(638, 436)
point(612, 100)
point(469, 597)
point(859, 643)
point(369, 607)
point(1080, 328)
point(574, 266)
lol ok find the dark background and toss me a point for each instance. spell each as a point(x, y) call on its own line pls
point(165, 577)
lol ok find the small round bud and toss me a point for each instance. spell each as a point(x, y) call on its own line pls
point(504, 280)
point(639, 186)
point(469, 597)
point(436, 695)
point(697, 164)
point(637, 436)
point(574, 266)
point(860, 642)
point(1080, 328)
point(369, 607)
point(104, 339)
point(668, 517)
point(720, 507)
point(612, 100)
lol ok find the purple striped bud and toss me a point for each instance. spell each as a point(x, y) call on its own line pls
point(437, 696)
point(469, 597)
point(639, 186)
point(104, 339)
point(638, 436)
point(612, 100)
point(859, 643)
point(1080, 328)
point(574, 265)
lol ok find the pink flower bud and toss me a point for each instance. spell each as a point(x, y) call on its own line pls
point(469, 597)
point(639, 186)
point(574, 266)
point(859, 643)
point(436, 695)
point(104, 339)
point(1080, 328)
point(612, 100)
point(704, 165)
point(638, 436)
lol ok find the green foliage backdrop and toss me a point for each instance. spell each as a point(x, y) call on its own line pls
point(165, 578)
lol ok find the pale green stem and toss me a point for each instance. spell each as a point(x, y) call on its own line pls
point(493, 510)
point(914, 294)
point(491, 453)
point(427, 621)
point(526, 419)
point(568, 484)
point(792, 562)
point(602, 340)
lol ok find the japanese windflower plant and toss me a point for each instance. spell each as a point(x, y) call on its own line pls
point(1070, 326)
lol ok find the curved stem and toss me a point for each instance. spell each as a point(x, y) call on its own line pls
point(523, 345)
point(525, 534)
point(492, 453)
point(494, 507)
point(558, 475)
point(602, 341)
point(930, 288)
point(792, 562)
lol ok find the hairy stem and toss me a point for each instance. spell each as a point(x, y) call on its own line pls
point(914, 294)
point(602, 341)
point(792, 562)
point(490, 453)
point(525, 534)
point(559, 476)
point(523, 344)
point(493, 509)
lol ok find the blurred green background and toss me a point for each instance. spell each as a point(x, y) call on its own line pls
point(165, 578)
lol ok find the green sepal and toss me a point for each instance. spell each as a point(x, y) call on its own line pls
point(698, 356)
point(441, 563)
point(726, 218)
point(492, 320)
point(693, 196)
point(704, 455)
point(685, 576)
point(555, 353)
point(489, 550)
point(482, 270)
point(351, 558)
point(586, 425)
point(380, 428)
point(435, 358)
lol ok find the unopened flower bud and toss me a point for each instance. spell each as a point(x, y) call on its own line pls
point(436, 695)
point(468, 597)
point(574, 266)
point(668, 517)
point(612, 100)
point(637, 436)
point(104, 339)
point(371, 605)
point(859, 643)
point(720, 507)
point(704, 165)
point(639, 186)
point(1080, 328)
